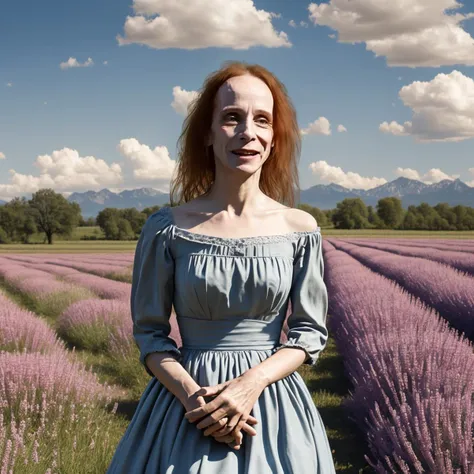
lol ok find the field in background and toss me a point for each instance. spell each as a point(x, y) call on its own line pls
point(74, 244)
point(377, 288)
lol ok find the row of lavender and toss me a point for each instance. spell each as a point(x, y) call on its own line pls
point(45, 392)
point(449, 291)
point(52, 415)
point(460, 258)
point(413, 376)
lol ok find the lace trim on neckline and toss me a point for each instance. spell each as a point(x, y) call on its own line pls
point(256, 239)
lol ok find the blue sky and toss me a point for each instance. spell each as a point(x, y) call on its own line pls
point(113, 125)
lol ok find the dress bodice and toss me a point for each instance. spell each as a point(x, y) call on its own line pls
point(217, 278)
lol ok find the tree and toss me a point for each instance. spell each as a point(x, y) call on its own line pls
point(135, 218)
point(351, 213)
point(148, 211)
point(17, 220)
point(319, 215)
point(125, 231)
point(53, 213)
point(446, 212)
point(390, 212)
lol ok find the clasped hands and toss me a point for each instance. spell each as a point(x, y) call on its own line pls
point(229, 411)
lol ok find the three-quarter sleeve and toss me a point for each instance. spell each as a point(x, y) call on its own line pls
point(152, 290)
point(309, 300)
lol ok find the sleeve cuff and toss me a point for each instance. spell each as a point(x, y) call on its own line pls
point(163, 348)
point(310, 360)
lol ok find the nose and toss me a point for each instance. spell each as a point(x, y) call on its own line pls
point(247, 129)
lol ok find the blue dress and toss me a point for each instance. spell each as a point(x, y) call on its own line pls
point(231, 297)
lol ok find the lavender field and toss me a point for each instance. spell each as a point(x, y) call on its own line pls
point(401, 315)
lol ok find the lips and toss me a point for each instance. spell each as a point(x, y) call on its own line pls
point(244, 152)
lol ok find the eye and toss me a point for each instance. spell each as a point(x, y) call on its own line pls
point(263, 120)
point(232, 117)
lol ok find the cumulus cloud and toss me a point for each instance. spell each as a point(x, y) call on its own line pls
point(320, 126)
point(9, 84)
point(147, 164)
point(2, 156)
point(182, 99)
point(163, 24)
point(73, 62)
point(443, 109)
point(434, 175)
point(334, 174)
point(292, 23)
point(407, 33)
point(64, 170)
point(341, 128)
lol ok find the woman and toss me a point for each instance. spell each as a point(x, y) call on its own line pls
point(229, 400)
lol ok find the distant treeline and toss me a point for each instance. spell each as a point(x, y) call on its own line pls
point(50, 213)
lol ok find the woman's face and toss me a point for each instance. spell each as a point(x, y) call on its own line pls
point(242, 130)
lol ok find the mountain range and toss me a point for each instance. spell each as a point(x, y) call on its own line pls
point(410, 192)
point(323, 196)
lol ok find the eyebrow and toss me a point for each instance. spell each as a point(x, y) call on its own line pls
point(233, 107)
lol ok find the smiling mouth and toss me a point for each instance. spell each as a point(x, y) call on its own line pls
point(245, 154)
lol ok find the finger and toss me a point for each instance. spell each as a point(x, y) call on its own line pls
point(249, 430)
point(211, 419)
point(252, 419)
point(215, 427)
point(230, 425)
point(209, 391)
point(238, 440)
point(224, 439)
point(199, 412)
point(239, 426)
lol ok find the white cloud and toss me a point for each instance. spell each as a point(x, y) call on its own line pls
point(334, 174)
point(2, 156)
point(341, 128)
point(434, 175)
point(148, 164)
point(163, 24)
point(64, 170)
point(73, 62)
point(471, 183)
point(320, 126)
point(182, 99)
point(302, 24)
point(105, 63)
point(408, 33)
point(9, 84)
point(443, 109)
point(395, 128)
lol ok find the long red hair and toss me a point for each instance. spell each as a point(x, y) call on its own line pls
point(195, 169)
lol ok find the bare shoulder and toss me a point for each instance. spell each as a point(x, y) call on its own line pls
point(300, 221)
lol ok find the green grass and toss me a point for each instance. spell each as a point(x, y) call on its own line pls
point(329, 387)
point(74, 245)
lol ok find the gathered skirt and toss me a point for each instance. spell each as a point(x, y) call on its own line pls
point(291, 438)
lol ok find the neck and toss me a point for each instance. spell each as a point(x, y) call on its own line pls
point(236, 192)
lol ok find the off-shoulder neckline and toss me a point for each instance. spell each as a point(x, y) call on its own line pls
point(194, 236)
